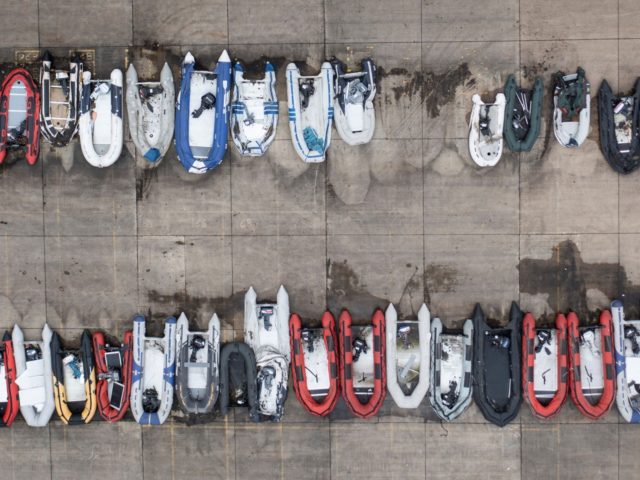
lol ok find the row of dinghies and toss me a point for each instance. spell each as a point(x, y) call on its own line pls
point(514, 118)
point(209, 104)
point(495, 366)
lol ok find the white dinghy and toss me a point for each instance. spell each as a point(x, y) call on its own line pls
point(34, 376)
point(485, 130)
point(101, 127)
point(154, 362)
point(451, 369)
point(408, 357)
point(266, 331)
point(151, 113)
point(627, 358)
point(310, 101)
point(254, 111)
point(355, 116)
point(571, 108)
point(197, 366)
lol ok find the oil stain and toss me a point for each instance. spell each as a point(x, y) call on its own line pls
point(143, 182)
point(567, 280)
point(439, 278)
point(345, 291)
point(435, 90)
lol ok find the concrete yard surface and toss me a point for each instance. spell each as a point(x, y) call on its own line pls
point(406, 218)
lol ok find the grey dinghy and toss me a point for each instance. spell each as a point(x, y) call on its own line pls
point(60, 100)
point(451, 369)
point(266, 331)
point(496, 367)
point(34, 376)
point(151, 113)
point(408, 357)
point(197, 373)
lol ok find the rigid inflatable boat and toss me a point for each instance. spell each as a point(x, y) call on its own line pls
point(19, 115)
point(485, 130)
point(408, 355)
point(355, 117)
point(197, 363)
point(496, 367)
point(627, 357)
point(362, 364)
point(310, 100)
point(451, 369)
point(254, 111)
point(9, 402)
point(34, 376)
point(619, 118)
point(545, 361)
point(154, 362)
point(266, 332)
point(101, 128)
point(150, 109)
point(113, 367)
point(571, 108)
point(522, 114)
point(60, 93)
point(591, 365)
point(74, 380)
point(238, 385)
point(202, 114)
point(314, 364)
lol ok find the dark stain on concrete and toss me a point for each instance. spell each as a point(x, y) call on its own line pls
point(144, 177)
point(435, 90)
point(439, 278)
point(346, 291)
point(565, 277)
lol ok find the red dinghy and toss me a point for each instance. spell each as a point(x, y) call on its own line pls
point(113, 369)
point(9, 404)
point(314, 350)
point(19, 115)
point(545, 366)
point(363, 369)
point(591, 375)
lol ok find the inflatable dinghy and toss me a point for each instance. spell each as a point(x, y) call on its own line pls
point(238, 384)
point(571, 108)
point(113, 368)
point(355, 117)
point(451, 369)
point(545, 361)
point(19, 115)
point(9, 402)
point(408, 355)
point(150, 109)
point(619, 118)
point(310, 100)
point(591, 361)
point(314, 364)
point(74, 380)
point(522, 114)
point(34, 377)
point(101, 128)
point(496, 367)
point(266, 332)
point(202, 115)
point(198, 359)
point(362, 364)
point(485, 130)
point(154, 363)
point(627, 357)
point(254, 111)
point(60, 93)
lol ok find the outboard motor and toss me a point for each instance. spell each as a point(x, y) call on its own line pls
point(207, 102)
point(356, 92)
point(500, 341)
point(197, 343)
point(307, 337)
point(63, 79)
point(451, 397)
point(484, 122)
point(266, 312)
point(359, 346)
point(150, 400)
point(631, 334)
point(33, 352)
point(544, 337)
point(306, 90)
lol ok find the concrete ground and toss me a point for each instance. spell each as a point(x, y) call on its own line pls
point(406, 218)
